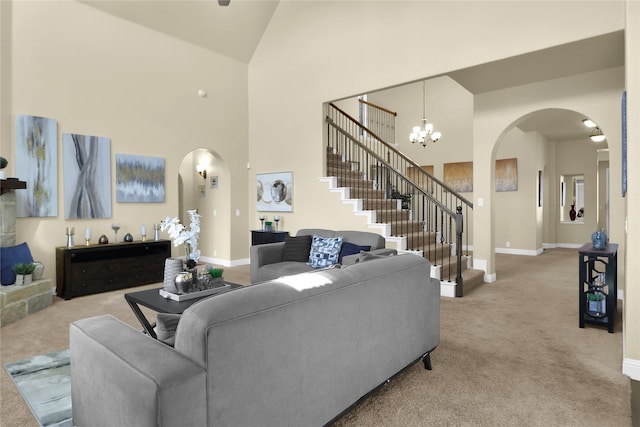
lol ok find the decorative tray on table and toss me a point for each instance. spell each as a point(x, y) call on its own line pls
point(196, 294)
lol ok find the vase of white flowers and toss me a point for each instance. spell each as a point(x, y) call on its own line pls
point(182, 235)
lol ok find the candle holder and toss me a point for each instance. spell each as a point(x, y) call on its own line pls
point(70, 233)
point(115, 228)
point(277, 220)
point(87, 236)
point(143, 232)
point(262, 218)
point(156, 231)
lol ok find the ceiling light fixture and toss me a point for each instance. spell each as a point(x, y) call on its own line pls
point(423, 134)
point(589, 123)
point(597, 135)
point(223, 2)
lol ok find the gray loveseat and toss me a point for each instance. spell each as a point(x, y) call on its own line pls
point(269, 261)
point(297, 351)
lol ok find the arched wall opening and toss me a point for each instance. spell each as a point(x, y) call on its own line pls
point(554, 172)
point(211, 196)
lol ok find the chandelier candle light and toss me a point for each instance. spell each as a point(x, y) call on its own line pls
point(424, 133)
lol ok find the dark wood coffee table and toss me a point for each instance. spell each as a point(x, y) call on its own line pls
point(152, 299)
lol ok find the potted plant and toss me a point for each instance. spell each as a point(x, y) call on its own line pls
point(216, 277)
point(23, 272)
point(597, 302)
point(405, 198)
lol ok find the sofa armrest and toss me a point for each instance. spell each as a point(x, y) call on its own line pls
point(352, 259)
point(260, 255)
point(120, 376)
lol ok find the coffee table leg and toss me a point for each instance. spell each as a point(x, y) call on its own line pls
point(141, 318)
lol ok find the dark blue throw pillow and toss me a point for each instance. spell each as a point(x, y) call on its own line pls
point(351, 249)
point(9, 256)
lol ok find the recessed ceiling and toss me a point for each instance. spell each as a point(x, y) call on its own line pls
point(557, 125)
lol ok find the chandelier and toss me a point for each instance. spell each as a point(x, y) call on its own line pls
point(424, 133)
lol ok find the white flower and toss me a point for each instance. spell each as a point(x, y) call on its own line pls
point(181, 235)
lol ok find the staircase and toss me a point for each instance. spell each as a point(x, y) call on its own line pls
point(369, 173)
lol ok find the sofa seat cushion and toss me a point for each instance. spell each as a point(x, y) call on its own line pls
point(286, 268)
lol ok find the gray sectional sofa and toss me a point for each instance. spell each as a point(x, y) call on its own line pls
point(269, 261)
point(296, 351)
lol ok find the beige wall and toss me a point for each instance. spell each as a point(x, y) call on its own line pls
point(100, 75)
point(631, 310)
point(596, 95)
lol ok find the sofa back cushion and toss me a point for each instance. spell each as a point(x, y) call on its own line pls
point(361, 238)
point(341, 330)
point(297, 248)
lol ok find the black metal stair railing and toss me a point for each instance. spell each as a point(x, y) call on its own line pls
point(419, 208)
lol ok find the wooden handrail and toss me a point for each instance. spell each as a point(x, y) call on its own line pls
point(371, 104)
point(399, 153)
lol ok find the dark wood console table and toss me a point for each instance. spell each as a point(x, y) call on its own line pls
point(85, 270)
point(260, 237)
point(598, 297)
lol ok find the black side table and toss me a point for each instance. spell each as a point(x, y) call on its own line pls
point(260, 237)
point(598, 289)
point(152, 299)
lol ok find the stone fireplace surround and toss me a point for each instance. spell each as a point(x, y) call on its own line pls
point(17, 302)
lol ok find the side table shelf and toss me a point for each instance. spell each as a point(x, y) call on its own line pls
point(85, 270)
point(260, 237)
point(598, 271)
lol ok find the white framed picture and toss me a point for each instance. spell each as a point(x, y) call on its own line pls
point(274, 192)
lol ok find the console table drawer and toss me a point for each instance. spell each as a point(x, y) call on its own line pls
point(85, 270)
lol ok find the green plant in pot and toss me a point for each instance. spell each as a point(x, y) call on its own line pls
point(23, 272)
point(216, 276)
point(596, 302)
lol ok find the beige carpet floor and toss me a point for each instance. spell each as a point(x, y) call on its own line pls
point(511, 354)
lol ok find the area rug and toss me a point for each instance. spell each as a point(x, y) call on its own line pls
point(45, 384)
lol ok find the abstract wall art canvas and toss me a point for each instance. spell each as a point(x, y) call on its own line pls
point(459, 176)
point(87, 176)
point(275, 192)
point(36, 159)
point(139, 179)
point(507, 175)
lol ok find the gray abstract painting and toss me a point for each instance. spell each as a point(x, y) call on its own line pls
point(139, 179)
point(37, 165)
point(87, 176)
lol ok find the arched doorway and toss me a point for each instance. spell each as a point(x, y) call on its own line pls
point(558, 165)
point(204, 184)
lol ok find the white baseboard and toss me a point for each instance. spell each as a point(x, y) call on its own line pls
point(514, 251)
point(631, 368)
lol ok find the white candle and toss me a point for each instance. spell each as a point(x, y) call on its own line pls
point(143, 230)
point(87, 233)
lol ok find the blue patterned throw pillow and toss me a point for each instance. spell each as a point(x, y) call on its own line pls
point(324, 251)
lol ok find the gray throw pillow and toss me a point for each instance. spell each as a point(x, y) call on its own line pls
point(366, 256)
point(166, 325)
point(297, 249)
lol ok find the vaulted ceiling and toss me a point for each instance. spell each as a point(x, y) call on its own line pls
point(235, 31)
